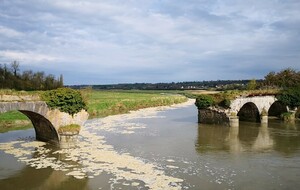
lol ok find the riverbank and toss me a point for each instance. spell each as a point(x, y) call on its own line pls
point(95, 158)
point(108, 102)
point(13, 121)
point(101, 104)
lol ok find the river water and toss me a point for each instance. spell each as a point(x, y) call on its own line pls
point(157, 148)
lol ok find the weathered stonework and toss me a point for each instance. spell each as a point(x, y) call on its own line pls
point(255, 107)
point(46, 122)
point(211, 116)
point(68, 139)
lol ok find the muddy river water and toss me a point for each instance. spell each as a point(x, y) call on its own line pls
point(156, 148)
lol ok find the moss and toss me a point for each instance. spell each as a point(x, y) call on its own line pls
point(72, 128)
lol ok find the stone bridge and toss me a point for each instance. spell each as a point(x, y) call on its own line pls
point(254, 108)
point(46, 122)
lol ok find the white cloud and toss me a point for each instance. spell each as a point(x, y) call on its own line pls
point(26, 57)
point(8, 32)
point(151, 39)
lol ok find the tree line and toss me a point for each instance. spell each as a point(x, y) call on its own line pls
point(287, 78)
point(12, 78)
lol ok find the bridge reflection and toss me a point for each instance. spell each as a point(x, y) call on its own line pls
point(249, 137)
point(27, 177)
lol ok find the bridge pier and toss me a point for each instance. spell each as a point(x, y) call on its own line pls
point(68, 140)
point(264, 119)
point(234, 121)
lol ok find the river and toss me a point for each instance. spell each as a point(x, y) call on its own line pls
point(156, 148)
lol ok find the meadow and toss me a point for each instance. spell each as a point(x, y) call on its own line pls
point(102, 103)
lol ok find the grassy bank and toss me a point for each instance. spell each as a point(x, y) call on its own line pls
point(100, 104)
point(104, 103)
point(13, 120)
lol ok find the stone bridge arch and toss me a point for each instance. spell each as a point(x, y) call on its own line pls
point(46, 121)
point(261, 102)
point(37, 113)
point(260, 106)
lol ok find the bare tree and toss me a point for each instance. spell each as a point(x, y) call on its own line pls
point(15, 65)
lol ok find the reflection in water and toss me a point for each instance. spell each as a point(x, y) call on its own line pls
point(263, 140)
point(151, 148)
point(47, 178)
point(234, 139)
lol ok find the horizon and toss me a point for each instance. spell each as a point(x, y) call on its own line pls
point(112, 42)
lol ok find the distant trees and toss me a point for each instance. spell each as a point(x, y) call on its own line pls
point(287, 78)
point(251, 85)
point(11, 78)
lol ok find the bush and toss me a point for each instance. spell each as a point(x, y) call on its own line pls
point(204, 101)
point(65, 99)
point(287, 116)
point(290, 97)
point(225, 103)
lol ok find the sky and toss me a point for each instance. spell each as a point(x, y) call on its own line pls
point(134, 41)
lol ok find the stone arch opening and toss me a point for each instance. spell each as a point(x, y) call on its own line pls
point(277, 108)
point(44, 130)
point(249, 112)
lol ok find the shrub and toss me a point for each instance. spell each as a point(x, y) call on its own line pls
point(290, 97)
point(225, 103)
point(204, 101)
point(287, 116)
point(65, 99)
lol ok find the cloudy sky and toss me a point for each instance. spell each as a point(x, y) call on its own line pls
point(125, 41)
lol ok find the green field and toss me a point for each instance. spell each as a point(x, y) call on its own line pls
point(13, 120)
point(103, 103)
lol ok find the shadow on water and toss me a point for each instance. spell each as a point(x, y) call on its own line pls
point(249, 137)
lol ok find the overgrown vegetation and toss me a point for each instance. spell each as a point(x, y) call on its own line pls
point(65, 99)
point(290, 97)
point(204, 101)
point(72, 128)
point(285, 85)
point(287, 116)
point(11, 78)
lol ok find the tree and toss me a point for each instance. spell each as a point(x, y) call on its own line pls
point(286, 78)
point(15, 67)
point(252, 85)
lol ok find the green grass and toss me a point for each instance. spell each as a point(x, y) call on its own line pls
point(13, 120)
point(12, 116)
point(104, 103)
